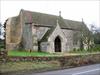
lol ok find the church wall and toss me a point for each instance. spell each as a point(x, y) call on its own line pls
point(27, 37)
point(70, 35)
point(50, 47)
point(8, 37)
point(37, 34)
point(13, 33)
point(76, 39)
point(8, 24)
point(39, 31)
point(57, 32)
point(44, 46)
point(17, 31)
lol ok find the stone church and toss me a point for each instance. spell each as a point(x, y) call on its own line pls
point(43, 32)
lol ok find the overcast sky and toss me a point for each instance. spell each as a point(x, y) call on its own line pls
point(73, 10)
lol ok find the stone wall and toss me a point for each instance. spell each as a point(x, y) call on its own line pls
point(73, 38)
point(57, 32)
point(3, 56)
point(40, 32)
point(17, 31)
point(12, 46)
point(44, 46)
point(13, 33)
point(37, 34)
point(69, 35)
point(27, 39)
point(75, 60)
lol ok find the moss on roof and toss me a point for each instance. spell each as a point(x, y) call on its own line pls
point(47, 19)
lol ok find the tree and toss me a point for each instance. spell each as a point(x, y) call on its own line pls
point(96, 34)
point(86, 40)
point(1, 37)
point(0, 29)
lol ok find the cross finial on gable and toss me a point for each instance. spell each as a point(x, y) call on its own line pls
point(82, 20)
point(59, 13)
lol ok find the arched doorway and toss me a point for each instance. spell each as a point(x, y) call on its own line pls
point(57, 44)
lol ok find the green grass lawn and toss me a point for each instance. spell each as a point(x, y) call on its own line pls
point(26, 53)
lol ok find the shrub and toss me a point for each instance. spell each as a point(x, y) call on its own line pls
point(95, 48)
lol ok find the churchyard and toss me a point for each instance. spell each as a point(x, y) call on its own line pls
point(17, 62)
point(21, 61)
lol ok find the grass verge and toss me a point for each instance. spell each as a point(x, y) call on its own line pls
point(25, 66)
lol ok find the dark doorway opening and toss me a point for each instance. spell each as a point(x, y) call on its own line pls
point(39, 47)
point(57, 44)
